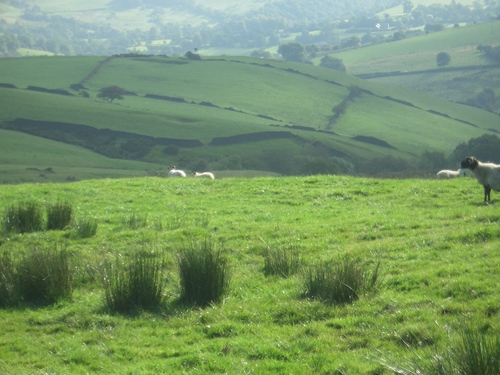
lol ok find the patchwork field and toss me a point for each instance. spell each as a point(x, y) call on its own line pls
point(220, 113)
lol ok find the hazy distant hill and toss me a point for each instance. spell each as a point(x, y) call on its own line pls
point(102, 27)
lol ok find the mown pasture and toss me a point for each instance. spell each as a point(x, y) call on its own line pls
point(437, 243)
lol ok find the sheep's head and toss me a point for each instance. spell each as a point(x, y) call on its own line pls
point(464, 172)
point(469, 162)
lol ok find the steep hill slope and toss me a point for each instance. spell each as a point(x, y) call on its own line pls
point(228, 113)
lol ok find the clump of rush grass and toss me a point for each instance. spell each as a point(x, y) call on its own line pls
point(8, 285)
point(85, 228)
point(473, 353)
point(135, 221)
point(44, 275)
point(59, 215)
point(339, 282)
point(136, 283)
point(204, 274)
point(175, 221)
point(282, 262)
point(23, 217)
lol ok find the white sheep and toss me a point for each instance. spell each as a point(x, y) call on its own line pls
point(172, 172)
point(487, 174)
point(204, 174)
point(446, 173)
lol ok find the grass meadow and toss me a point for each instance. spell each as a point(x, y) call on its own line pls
point(419, 53)
point(468, 73)
point(435, 243)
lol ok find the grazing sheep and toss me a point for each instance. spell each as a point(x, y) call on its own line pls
point(462, 172)
point(487, 174)
point(204, 174)
point(172, 172)
point(445, 173)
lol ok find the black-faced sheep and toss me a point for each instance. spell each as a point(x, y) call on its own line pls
point(209, 175)
point(172, 172)
point(487, 174)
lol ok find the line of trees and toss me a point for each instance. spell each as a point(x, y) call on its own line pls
point(259, 30)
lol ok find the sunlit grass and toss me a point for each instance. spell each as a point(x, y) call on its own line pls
point(436, 241)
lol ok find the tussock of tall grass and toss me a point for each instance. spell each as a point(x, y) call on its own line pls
point(204, 274)
point(8, 285)
point(339, 282)
point(23, 217)
point(39, 276)
point(59, 215)
point(135, 221)
point(85, 228)
point(45, 275)
point(136, 283)
point(473, 353)
point(175, 221)
point(282, 262)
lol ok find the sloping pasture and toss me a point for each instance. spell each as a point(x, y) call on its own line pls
point(419, 53)
point(436, 241)
point(233, 96)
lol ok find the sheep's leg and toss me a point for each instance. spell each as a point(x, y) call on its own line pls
point(487, 191)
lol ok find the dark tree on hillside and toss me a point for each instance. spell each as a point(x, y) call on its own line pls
point(407, 6)
point(443, 59)
point(486, 99)
point(192, 56)
point(432, 161)
point(399, 35)
point(492, 52)
point(261, 54)
point(353, 41)
point(332, 63)
point(292, 52)
point(485, 148)
point(433, 27)
point(111, 93)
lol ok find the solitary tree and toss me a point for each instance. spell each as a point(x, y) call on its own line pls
point(111, 93)
point(332, 63)
point(292, 52)
point(407, 6)
point(443, 59)
point(192, 56)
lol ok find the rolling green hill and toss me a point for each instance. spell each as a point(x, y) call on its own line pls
point(413, 62)
point(219, 113)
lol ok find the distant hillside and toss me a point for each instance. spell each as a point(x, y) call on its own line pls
point(225, 113)
point(98, 27)
point(411, 62)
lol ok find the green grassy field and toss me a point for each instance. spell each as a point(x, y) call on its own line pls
point(419, 53)
point(414, 59)
point(223, 97)
point(436, 240)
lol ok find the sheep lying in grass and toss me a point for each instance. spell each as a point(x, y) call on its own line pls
point(172, 172)
point(446, 173)
point(487, 174)
point(204, 174)
point(462, 172)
